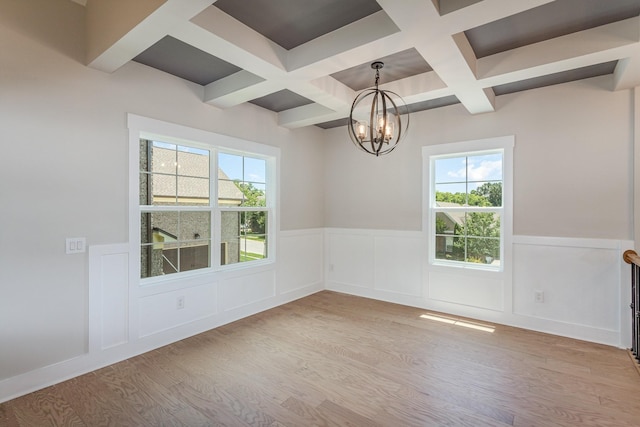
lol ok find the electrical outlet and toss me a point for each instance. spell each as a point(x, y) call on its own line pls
point(180, 303)
point(539, 296)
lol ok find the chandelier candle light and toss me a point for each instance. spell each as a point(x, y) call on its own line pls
point(378, 129)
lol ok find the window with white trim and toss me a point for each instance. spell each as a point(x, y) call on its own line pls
point(201, 206)
point(468, 201)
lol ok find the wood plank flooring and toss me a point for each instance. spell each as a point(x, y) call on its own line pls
point(338, 360)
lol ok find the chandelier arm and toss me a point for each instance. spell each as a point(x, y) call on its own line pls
point(397, 114)
point(374, 107)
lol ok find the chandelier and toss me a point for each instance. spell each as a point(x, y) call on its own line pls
point(377, 129)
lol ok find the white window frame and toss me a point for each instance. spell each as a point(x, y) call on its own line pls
point(151, 129)
point(505, 144)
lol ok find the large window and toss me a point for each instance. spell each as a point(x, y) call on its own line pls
point(201, 206)
point(467, 204)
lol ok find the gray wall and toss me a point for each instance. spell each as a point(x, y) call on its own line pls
point(572, 164)
point(65, 144)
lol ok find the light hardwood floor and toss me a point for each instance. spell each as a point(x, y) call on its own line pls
point(338, 360)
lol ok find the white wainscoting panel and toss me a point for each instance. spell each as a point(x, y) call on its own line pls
point(161, 312)
point(350, 258)
point(470, 288)
point(108, 296)
point(245, 289)
point(302, 260)
point(398, 261)
point(580, 280)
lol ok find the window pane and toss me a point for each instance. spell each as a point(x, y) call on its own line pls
point(485, 193)
point(163, 189)
point(450, 248)
point(231, 166)
point(193, 162)
point(230, 237)
point(450, 170)
point(163, 158)
point(482, 224)
point(255, 170)
point(485, 167)
point(243, 236)
point(253, 247)
point(195, 255)
point(254, 194)
point(164, 226)
point(195, 226)
point(448, 222)
point(170, 260)
point(174, 242)
point(228, 193)
point(451, 194)
point(193, 191)
point(483, 251)
point(254, 222)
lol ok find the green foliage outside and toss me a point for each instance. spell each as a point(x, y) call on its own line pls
point(253, 197)
point(480, 234)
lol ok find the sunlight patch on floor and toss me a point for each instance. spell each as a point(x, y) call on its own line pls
point(455, 322)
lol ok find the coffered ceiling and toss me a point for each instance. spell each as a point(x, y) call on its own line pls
point(306, 60)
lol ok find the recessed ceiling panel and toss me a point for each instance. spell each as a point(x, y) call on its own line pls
point(448, 6)
point(549, 21)
point(281, 100)
point(397, 66)
point(557, 78)
point(183, 60)
point(433, 103)
point(291, 23)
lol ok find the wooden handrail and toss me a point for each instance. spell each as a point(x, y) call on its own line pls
point(631, 257)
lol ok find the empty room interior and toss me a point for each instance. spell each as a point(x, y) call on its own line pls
point(328, 212)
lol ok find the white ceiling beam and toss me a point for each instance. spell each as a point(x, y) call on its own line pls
point(484, 12)
point(589, 47)
point(353, 38)
point(235, 42)
point(627, 73)
point(214, 93)
point(227, 91)
point(306, 115)
point(449, 55)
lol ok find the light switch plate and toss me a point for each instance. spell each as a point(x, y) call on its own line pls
point(76, 245)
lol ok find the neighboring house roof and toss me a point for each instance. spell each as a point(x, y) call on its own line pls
point(227, 189)
point(456, 217)
point(195, 183)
